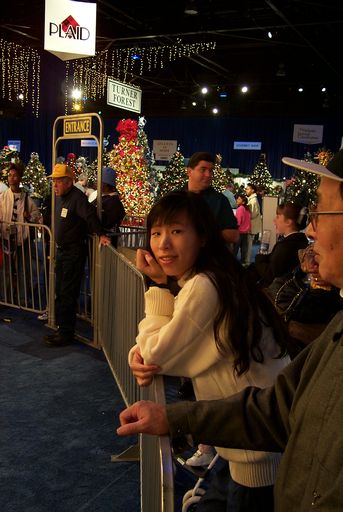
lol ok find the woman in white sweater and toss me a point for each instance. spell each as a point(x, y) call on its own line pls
point(218, 330)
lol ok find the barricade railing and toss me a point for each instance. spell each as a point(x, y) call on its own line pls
point(120, 308)
point(25, 275)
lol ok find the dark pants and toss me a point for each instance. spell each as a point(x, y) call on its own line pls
point(225, 495)
point(70, 264)
point(242, 244)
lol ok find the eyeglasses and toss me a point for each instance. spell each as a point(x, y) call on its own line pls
point(313, 217)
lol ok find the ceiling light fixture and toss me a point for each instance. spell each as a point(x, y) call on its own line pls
point(215, 110)
point(244, 89)
point(300, 89)
point(191, 8)
point(204, 90)
point(270, 35)
point(323, 89)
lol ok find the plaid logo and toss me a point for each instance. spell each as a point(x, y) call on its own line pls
point(69, 22)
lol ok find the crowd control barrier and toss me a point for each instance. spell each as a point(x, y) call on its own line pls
point(120, 308)
point(25, 272)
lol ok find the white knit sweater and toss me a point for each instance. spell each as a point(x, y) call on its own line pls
point(177, 334)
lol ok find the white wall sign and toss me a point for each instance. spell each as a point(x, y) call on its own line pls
point(247, 145)
point(124, 96)
point(70, 28)
point(88, 143)
point(14, 145)
point(164, 149)
point(308, 133)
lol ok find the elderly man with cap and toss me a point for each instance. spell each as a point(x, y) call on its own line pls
point(75, 218)
point(301, 415)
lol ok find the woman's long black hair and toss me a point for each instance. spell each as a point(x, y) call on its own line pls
point(238, 323)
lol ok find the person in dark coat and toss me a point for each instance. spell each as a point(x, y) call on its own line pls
point(290, 219)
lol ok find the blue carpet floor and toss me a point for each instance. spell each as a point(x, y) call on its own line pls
point(59, 412)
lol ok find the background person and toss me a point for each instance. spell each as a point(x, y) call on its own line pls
point(256, 224)
point(290, 219)
point(17, 206)
point(200, 174)
point(301, 415)
point(243, 217)
point(75, 218)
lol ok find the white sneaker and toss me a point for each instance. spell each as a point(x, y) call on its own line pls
point(200, 459)
point(43, 316)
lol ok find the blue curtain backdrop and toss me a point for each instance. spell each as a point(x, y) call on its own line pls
point(216, 135)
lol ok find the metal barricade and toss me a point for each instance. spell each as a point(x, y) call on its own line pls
point(25, 275)
point(120, 308)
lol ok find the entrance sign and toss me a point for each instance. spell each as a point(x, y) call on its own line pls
point(308, 133)
point(164, 149)
point(70, 29)
point(77, 126)
point(121, 95)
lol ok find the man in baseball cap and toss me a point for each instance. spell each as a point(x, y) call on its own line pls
point(75, 218)
point(302, 414)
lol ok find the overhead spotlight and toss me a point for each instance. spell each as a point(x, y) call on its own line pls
point(323, 89)
point(194, 103)
point(281, 70)
point(191, 8)
point(269, 34)
point(215, 110)
point(20, 96)
point(244, 89)
point(300, 89)
point(76, 94)
point(183, 105)
point(204, 90)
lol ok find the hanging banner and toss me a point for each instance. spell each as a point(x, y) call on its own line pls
point(308, 133)
point(70, 29)
point(121, 95)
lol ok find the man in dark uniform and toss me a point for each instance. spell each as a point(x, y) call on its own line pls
point(75, 218)
point(200, 174)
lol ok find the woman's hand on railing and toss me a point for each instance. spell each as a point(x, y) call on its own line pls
point(143, 373)
point(143, 417)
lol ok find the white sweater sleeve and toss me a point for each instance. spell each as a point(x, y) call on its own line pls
point(177, 334)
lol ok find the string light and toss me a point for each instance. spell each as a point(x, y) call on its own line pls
point(90, 74)
point(20, 74)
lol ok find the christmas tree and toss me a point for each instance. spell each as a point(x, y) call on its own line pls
point(174, 175)
point(35, 179)
point(220, 176)
point(261, 177)
point(7, 157)
point(127, 158)
point(301, 188)
point(154, 175)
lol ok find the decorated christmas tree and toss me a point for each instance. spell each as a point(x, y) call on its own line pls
point(220, 176)
point(302, 186)
point(154, 174)
point(128, 160)
point(7, 156)
point(174, 176)
point(71, 162)
point(261, 177)
point(35, 179)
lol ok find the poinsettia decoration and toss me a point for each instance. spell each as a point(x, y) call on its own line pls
point(128, 129)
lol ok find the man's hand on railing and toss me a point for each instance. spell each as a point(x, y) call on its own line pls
point(143, 417)
point(143, 373)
